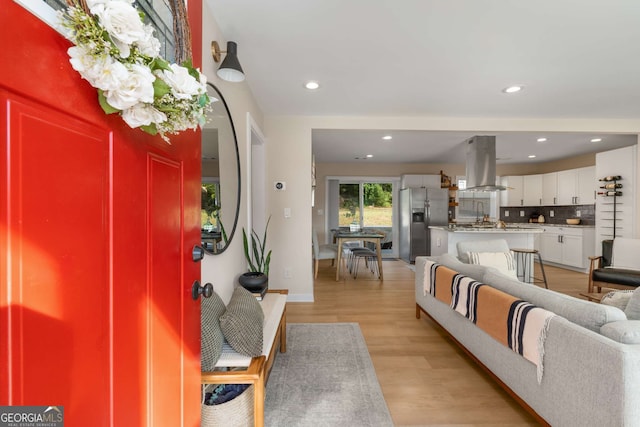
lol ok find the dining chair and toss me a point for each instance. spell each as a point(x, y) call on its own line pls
point(322, 252)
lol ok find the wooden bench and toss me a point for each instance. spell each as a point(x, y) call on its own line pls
point(255, 370)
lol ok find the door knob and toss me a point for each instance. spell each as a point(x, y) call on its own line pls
point(197, 253)
point(206, 290)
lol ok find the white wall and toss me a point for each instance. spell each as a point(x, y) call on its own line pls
point(223, 270)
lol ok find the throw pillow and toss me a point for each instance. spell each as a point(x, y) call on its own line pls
point(242, 323)
point(633, 306)
point(504, 262)
point(617, 299)
point(211, 337)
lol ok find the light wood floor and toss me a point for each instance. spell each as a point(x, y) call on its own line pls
point(426, 379)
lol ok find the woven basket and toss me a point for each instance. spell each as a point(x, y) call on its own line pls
point(237, 412)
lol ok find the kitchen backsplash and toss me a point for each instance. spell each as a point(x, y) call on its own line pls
point(560, 214)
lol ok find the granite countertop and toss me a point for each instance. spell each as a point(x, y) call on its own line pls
point(546, 224)
point(520, 228)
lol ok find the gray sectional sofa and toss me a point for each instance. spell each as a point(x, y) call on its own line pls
point(591, 360)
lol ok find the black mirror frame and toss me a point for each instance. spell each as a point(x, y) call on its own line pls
point(239, 192)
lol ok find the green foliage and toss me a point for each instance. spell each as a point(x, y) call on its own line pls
point(255, 255)
point(377, 195)
point(209, 203)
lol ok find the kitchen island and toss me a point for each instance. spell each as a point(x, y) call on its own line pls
point(444, 239)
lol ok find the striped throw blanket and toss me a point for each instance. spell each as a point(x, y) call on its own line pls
point(517, 324)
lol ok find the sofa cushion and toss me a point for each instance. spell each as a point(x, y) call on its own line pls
point(633, 306)
point(584, 313)
point(211, 336)
point(501, 261)
point(624, 331)
point(242, 323)
point(618, 299)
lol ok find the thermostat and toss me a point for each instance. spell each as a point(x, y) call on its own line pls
point(280, 185)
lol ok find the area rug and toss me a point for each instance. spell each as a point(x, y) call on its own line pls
point(325, 378)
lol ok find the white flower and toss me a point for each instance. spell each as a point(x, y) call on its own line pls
point(122, 22)
point(149, 46)
point(102, 72)
point(81, 61)
point(126, 80)
point(137, 87)
point(142, 115)
point(183, 85)
point(93, 3)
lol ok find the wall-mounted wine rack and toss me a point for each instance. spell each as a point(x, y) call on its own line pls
point(611, 188)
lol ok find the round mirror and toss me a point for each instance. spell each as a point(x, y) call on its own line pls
point(220, 176)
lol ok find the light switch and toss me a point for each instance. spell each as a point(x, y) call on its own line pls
point(552, 213)
point(287, 212)
point(521, 213)
point(506, 213)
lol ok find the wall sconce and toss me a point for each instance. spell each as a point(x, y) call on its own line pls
point(230, 69)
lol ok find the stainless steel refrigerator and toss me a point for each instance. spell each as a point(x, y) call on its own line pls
point(420, 208)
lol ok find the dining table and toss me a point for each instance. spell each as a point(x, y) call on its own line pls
point(361, 236)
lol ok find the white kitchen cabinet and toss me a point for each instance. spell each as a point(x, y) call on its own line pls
point(586, 185)
point(576, 186)
point(532, 190)
point(513, 195)
point(550, 189)
point(570, 246)
point(417, 181)
point(550, 247)
point(567, 187)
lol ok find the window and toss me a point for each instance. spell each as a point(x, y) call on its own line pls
point(367, 204)
point(474, 205)
point(210, 206)
point(157, 13)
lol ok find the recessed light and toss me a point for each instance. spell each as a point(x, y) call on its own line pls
point(596, 140)
point(387, 137)
point(541, 139)
point(512, 89)
point(369, 156)
point(532, 156)
point(312, 85)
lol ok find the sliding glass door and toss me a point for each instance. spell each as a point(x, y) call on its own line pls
point(368, 206)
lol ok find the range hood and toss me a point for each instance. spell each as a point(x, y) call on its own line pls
point(481, 164)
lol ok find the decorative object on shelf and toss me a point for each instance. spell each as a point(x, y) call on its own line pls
point(118, 55)
point(445, 180)
point(257, 278)
point(573, 221)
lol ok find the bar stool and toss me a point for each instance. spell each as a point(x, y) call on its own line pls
point(525, 267)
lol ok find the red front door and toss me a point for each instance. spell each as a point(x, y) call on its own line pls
point(97, 222)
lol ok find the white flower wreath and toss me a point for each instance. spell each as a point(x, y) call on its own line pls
point(118, 54)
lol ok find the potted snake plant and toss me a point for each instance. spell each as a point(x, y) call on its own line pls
point(258, 258)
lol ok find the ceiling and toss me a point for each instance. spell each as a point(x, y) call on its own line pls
point(447, 59)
